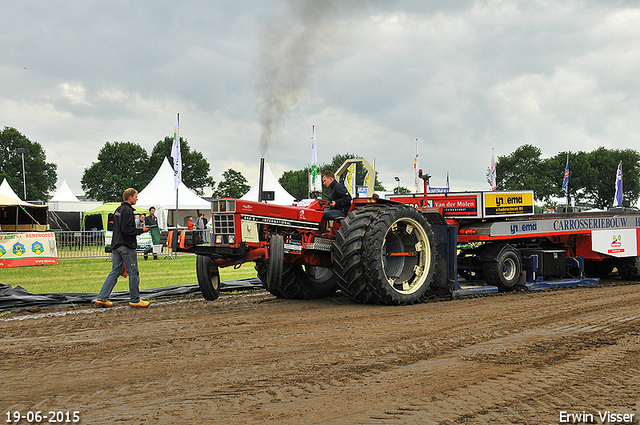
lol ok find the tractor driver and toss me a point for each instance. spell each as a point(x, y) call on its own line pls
point(340, 199)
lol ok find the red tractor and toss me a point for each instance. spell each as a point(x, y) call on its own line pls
point(415, 247)
point(382, 252)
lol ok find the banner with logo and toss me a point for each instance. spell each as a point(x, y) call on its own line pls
point(498, 204)
point(28, 249)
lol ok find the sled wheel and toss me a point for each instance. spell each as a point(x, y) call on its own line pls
point(208, 277)
point(505, 272)
point(594, 268)
point(629, 268)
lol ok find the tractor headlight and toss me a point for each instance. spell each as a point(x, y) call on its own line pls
point(232, 239)
point(218, 239)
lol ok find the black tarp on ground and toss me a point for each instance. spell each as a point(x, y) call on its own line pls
point(17, 298)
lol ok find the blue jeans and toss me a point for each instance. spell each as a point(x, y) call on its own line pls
point(330, 214)
point(119, 256)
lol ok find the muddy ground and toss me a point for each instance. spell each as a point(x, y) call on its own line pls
point(519, 358)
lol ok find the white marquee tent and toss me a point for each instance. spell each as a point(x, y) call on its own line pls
point(160, 193)
point(18, 215)
point(270, 183)
point(65, 200)
point(6, 189)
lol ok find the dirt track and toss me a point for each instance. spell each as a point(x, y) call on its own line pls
point(519, 358)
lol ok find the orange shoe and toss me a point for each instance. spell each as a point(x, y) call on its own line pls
point(106, 303)
point(140, 304)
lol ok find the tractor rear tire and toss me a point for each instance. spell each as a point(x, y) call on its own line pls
point(208, 277)
point(300, 283)
point(505, 272)
point(347, 254)
point(385, 254)
point(628, 267)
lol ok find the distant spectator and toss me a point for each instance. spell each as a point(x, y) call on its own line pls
point(200, 222)
point(152, 222)
point(140, 221)
point(190, 223)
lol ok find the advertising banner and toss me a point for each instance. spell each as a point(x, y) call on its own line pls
point(616, 243)
point(452, 204)
point(497, 204)
point(28, 249)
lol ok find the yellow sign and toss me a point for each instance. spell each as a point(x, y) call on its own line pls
point(508, 203)
point(351, 180)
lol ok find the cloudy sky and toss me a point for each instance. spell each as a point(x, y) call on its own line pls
point(251, 78)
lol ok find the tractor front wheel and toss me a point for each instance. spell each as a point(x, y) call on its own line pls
point(208, 277)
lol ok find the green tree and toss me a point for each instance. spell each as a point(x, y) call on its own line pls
point(40, 176)
point(296, 182)
point(591, 174)
point(233, 185)
point(602, 167)
point(120, 165)
point(400, 190)
point(361, 171)
point(524, 169)
point(578, 174)
point(195, 167)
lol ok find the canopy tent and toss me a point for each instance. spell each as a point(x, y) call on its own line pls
point(19, 216)
point(269, 183)
point(100, 216)
point(65, 209)
point(160, 193)
point(65, 200)
point(64, 194)
point(5, 189)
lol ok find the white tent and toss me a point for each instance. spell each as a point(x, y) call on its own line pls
point(270, 183)
point(160, 193)
point(5, 189)
point(65, 200)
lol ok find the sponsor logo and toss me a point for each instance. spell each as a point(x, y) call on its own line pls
point(18, 249)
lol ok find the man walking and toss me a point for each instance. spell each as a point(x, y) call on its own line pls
point(123, 253)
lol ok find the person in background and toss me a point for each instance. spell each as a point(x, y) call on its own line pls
point(200, 226)
point(152, 222)
point(190, 223)
point(123, 253)
point(140, 221)
point(200, 222)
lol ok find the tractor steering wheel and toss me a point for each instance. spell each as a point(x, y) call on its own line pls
point(323, 202)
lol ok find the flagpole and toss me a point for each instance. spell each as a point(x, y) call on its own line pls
point(177, 178)
point(314, 164)
point(416, 166)
point(568, 196)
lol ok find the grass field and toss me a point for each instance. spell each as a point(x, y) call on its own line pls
point(88, 274)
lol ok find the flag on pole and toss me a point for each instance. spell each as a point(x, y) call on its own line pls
point(492, 175)
point(565, 180)
point(617, 201)
point(315, 178)
point(416, 167)
point(175, 154)
point(350, 181)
